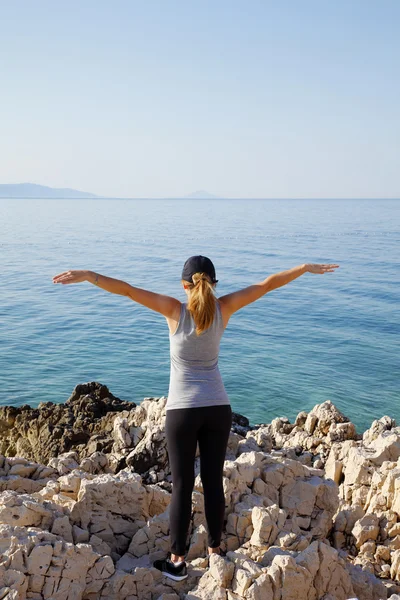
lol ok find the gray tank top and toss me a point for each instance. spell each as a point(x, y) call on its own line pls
point(195, 379)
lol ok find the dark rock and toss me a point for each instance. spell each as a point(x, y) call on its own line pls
point(50, 429)
point(240, 424)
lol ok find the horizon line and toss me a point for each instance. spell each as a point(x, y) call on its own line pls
point(197, 199)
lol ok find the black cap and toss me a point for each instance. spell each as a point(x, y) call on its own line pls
point(198, 264)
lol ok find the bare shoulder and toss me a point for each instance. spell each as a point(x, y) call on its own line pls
point(225, 312)
point(236, 300)
point(173, 319)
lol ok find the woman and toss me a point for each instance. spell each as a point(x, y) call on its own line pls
point(198, 409)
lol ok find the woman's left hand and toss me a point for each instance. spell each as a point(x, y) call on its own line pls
point(70, 277)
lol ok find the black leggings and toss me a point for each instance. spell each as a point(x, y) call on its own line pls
point(210, 426)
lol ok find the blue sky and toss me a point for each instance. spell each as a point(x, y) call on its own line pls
point(283, 99)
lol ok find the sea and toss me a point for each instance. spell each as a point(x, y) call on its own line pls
point(321, 337)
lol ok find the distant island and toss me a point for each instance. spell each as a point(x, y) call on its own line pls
point(32, 190)
point(201, 195)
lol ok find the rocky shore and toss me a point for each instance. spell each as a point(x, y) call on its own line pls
point(312, 507)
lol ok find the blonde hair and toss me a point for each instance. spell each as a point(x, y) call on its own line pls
point(202, 301)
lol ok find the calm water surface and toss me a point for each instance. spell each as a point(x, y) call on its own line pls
point(333, 336)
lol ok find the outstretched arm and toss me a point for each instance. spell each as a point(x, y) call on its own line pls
point(241, 298)
point(166, 305)
point(109, 284)
point(277, 280)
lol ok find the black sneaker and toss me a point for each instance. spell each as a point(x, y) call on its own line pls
point(167, 568)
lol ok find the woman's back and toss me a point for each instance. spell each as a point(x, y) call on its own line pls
point(195, 379)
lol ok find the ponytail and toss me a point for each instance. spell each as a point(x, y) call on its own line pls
point(202, 302)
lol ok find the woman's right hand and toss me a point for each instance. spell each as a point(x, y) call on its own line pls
point(320, 268)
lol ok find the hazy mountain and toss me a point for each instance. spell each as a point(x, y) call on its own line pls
point(201, 195)
point(31, 190)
